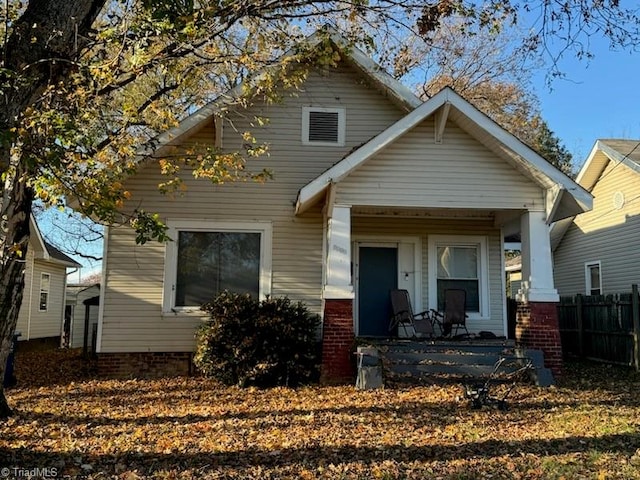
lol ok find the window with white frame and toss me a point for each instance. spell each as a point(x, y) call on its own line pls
point(459, 262)
point(45, 284)
point(593, 278)
point(206, 258)
point(323, 126)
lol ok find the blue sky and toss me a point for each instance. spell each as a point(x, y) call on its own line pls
point(600, 98)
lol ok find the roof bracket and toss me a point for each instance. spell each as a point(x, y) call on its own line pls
point(441, 120)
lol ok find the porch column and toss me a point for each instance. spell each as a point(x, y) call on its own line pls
point(537, 262)
point(337, 329)
point(537, 315)
point(337, 283)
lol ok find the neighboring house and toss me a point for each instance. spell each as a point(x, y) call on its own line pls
point(373, 190)
point(45, 282)
point(598, 252)
point(81, 315)
point(513, 271)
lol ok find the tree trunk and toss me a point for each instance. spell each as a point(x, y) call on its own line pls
point(15, 212)
point(47, 30)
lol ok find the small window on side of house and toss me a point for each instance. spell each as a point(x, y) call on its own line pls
point(45, 282)
point(323, 126)
point(593, 278)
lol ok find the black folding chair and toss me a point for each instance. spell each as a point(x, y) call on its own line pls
point(403, 316)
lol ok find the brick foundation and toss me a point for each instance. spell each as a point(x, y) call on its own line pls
point(537, 327)
point(144, 365)
point(337, 342)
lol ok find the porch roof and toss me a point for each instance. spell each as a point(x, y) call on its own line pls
point(565, 197)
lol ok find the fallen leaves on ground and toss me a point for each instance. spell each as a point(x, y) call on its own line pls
point(193, 428)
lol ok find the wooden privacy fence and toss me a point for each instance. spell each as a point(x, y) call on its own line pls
point(605, 328)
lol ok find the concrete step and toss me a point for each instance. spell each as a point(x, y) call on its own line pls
point(411, 361)
point(464, 358)
point(449, 347)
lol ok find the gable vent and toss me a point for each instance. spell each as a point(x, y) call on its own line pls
point(323, 126)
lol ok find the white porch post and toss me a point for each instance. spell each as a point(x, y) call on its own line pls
point(338, 284)
point(537, 263)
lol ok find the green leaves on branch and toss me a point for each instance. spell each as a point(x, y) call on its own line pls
point(148, 226)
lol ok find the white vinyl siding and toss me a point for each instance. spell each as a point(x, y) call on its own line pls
point(606, 234)
point(457, 173)
point(32, 321)
point(133, 320)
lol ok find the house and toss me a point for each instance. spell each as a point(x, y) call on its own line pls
point(597, 252)
point(373, 189)
point(81, 316)
point(41, 314)
point(513, 271)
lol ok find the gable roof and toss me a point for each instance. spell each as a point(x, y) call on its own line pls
point(47, 251)
point(567, 197)
point(57, 256)
point(626, 152)
point(395, 91)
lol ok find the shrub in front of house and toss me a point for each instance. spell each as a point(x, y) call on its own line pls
point(257, 342)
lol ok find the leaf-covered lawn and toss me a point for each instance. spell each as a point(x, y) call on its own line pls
point(587, 427)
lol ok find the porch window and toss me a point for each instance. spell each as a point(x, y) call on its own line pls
point(593, 278)
point(458, 268)
point(205, 259)
point(457, 262)
point(45, 283)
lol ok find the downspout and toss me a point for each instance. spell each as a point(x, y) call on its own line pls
point(103, 287)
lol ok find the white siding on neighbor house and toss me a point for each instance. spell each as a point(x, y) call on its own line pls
point(457, 173)
point(132, 319)
point(79, 312)
point(33, 323)
point(25, 309)
point(389, 227)
point(605, 234)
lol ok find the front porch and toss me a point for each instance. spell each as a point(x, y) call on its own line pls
point(425, 252)
point(425, 206)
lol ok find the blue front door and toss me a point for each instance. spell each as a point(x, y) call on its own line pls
point(378, 274)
